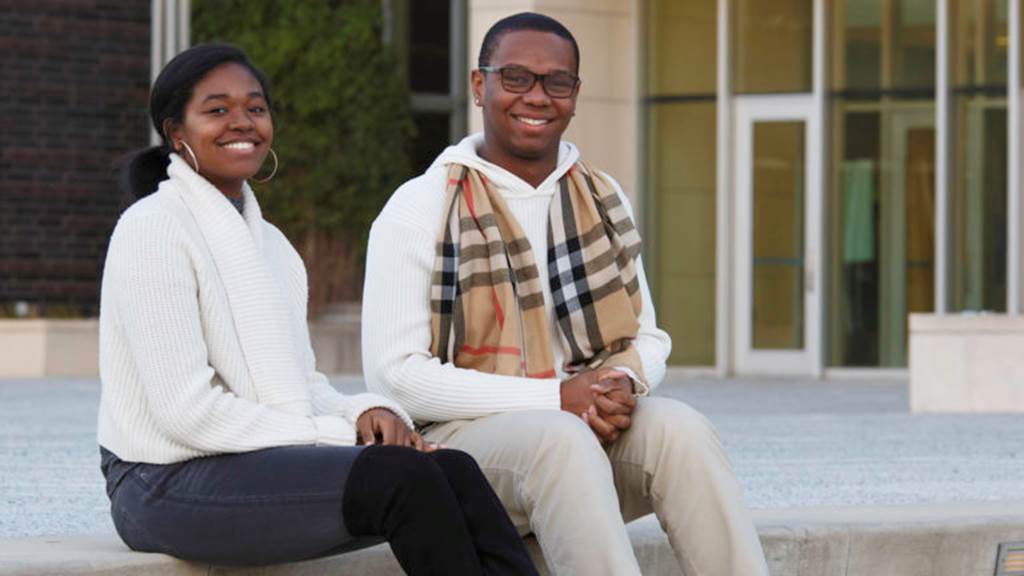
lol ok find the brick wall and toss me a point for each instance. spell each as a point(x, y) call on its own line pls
point(74, 81)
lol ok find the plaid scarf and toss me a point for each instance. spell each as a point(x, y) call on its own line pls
point(486, 297)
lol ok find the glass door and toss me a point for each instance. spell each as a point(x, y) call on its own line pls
point(907, 216)
point(777, 268)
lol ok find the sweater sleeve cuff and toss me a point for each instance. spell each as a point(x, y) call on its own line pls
point(360, 403)
point(334, 431)
point(640, 388)
point(552, 395)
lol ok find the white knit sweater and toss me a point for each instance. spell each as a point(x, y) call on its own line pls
point(396, 298)
point(204, 346)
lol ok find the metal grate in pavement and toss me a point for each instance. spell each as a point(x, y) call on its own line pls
point(1010, 560)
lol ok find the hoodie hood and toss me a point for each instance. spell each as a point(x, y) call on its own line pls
point(465, 153)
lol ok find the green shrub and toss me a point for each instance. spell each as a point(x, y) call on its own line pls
point(342, 119)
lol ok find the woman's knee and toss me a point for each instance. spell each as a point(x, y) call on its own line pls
point(389, 482)
point(401, 465)
point(457, 465)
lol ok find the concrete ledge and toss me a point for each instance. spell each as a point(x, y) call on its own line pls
point(337, 345)
point(934, 540)
point(966, 363)
point(34, 348)
point(40, 348)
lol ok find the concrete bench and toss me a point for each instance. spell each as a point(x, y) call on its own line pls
point(933, 540)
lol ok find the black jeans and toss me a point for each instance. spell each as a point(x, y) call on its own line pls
point(286, 504)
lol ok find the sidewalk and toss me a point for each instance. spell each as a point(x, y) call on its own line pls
point(796, 445)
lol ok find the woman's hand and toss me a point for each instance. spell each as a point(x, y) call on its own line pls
point(382, 426)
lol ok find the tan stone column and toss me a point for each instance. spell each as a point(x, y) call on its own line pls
point(605, 127)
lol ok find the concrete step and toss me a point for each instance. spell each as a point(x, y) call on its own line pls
point(917, 540)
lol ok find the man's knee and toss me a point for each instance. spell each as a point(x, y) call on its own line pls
point(563, 435)
point(567, 453)
point(679, 428)
point(525, 436)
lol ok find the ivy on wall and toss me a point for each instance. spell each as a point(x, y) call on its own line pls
point(342, 119)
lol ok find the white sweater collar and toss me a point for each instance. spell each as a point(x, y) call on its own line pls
point(508, 184)
point(259, 308)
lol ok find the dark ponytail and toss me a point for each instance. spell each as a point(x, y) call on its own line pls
point(143, 170)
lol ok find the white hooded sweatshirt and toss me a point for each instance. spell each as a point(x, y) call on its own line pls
point(396, 299)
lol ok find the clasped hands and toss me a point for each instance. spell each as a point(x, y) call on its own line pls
point(603, 398)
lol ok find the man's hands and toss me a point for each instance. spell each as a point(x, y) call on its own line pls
point(382, 426)
point(612, 409)
point(603, 399)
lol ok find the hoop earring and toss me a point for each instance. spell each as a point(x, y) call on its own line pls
point(274, 171)
point(190, 153)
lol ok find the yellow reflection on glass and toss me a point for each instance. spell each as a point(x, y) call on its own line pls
point(981, 43)
point(778, 236)
point(682, 169)
point(682, 42)
point(771, 43)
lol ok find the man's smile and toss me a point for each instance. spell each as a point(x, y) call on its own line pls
point(531, 121)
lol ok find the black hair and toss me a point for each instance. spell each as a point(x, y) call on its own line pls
point(141, 171)
point(524, 21)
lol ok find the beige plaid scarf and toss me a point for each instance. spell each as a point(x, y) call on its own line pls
point(486, 297)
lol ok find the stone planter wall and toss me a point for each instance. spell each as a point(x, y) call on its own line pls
point(70, 348)
point(49, 348)
point(966, 363)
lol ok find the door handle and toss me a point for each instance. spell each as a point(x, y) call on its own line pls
point(809, 273)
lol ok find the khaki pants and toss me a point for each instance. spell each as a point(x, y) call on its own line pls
point(557, 481)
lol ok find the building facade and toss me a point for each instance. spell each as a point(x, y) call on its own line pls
point(74, 81)
point(806, 172)
point(816, 170)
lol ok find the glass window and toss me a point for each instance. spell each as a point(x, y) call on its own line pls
point(778, 236)
point(429, 46)
point(978, 190)
point(682, 186)
point(681, 76)
point(432, 54)
point(771, 46)
point(982, 37)
point(978, 204)
point(681, 47)
point(879, 49)
point(882, 213)
point(882, 184)
point(431, 139)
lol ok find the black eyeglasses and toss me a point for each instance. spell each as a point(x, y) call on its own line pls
point(520, 81)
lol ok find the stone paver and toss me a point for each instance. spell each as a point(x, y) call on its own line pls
point(793, 443)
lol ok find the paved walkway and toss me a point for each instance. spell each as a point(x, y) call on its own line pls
point(794, 444)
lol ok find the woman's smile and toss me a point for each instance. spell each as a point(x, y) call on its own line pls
point(241, 146)
point(227, 126)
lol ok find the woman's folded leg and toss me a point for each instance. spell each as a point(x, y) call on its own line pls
point(498, 545)
point(404, 495)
